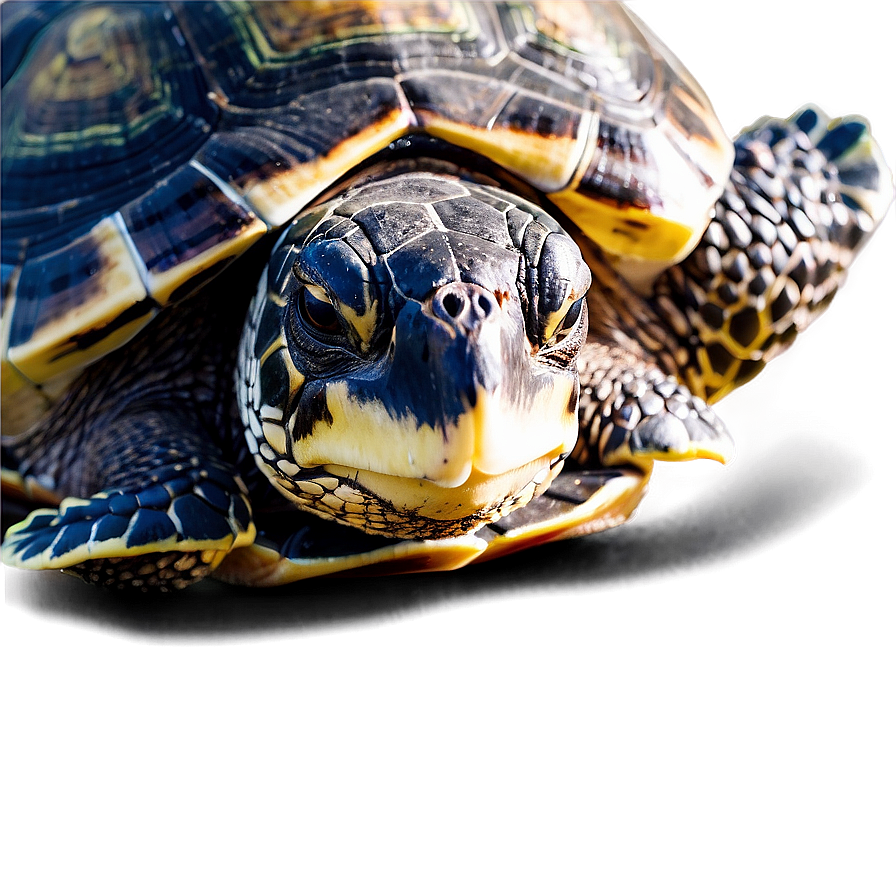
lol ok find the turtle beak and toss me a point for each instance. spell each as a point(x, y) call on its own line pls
point(463, 369)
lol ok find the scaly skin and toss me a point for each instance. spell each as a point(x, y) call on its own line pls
point(804, 196)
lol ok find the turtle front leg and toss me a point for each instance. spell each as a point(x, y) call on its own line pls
point(804, 196)
point(170, 509)
point(630, 412)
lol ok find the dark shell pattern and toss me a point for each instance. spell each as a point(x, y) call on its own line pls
point(147, 145)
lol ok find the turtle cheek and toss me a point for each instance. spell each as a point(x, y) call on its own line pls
point(266, 378)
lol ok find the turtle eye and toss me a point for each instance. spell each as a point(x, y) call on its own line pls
point(568, 325)
point(317, 309)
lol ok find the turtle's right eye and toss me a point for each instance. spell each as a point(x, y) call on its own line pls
point(317, 310)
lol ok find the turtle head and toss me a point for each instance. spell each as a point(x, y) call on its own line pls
point(409, 362)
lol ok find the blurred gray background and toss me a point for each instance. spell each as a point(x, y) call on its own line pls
point(699, 702)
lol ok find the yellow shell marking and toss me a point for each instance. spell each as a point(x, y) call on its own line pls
point(627, 231)
point(278, 198)
point(546, 162)
point(116, 287)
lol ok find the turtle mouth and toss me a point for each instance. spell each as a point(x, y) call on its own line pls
point(403, 507)
point(403, 478)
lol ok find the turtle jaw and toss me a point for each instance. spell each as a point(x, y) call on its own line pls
point(403, 478)
point(479, 496)
point(529, 418)
point(398, 507)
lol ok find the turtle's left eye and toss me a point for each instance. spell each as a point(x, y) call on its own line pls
point(317, 310)
point(568, 325)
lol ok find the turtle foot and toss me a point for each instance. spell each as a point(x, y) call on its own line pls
point(166, 535)
point(854, 165)
point(805, 195)
point(665, 422)
point(632, 413)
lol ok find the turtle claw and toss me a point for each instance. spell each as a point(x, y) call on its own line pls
point(863, 179)
point(667, 423)
point(812, 121)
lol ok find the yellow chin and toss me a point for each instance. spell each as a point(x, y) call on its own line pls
point(481, 493)
point(400, 507)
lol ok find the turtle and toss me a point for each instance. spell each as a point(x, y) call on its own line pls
point(302, 289)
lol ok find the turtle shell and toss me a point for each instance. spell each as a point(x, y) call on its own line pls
point(147, 145)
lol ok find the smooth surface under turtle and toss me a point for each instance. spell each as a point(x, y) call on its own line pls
point(417, 361)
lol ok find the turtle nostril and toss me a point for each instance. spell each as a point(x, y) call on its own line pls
point(464, 305)
point(452, 303)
